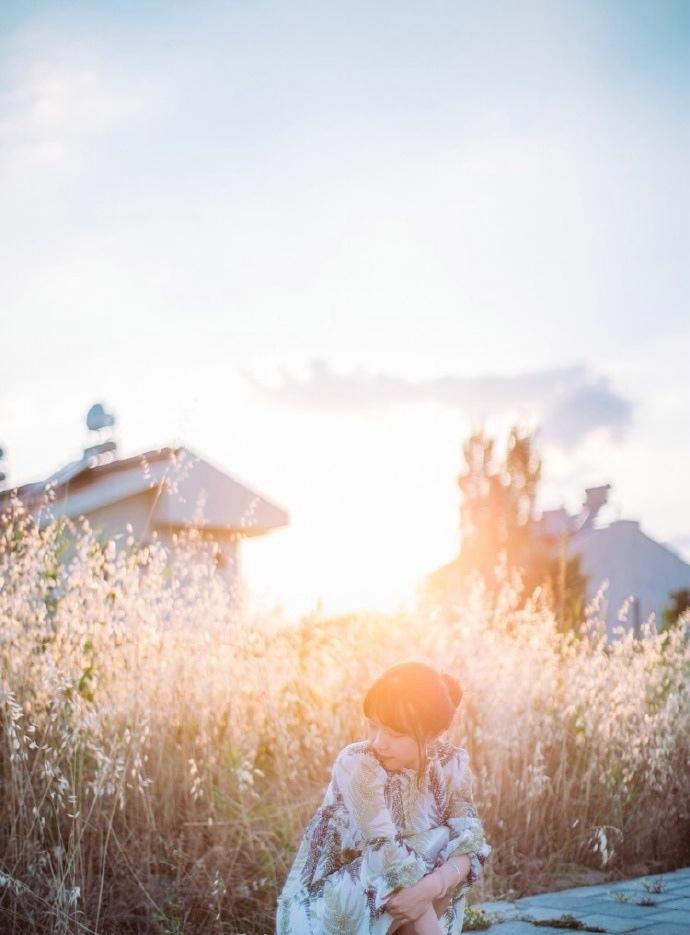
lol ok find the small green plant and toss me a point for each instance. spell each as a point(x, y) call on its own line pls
point(621, 897)
point(654, 886)
point(475, 920)
point(167, 916)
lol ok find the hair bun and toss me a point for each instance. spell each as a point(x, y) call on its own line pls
point(454, 689)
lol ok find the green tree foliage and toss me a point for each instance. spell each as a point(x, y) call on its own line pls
point(562, 578)
point(680, 603)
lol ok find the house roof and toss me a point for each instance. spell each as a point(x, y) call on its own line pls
point(622, 540)
point(634, 564)
point(555, 523)
point(188, 491)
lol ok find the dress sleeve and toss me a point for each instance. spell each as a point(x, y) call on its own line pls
point(388, 864)
point(466, 830)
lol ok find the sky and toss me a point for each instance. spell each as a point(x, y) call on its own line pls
point(319, 243)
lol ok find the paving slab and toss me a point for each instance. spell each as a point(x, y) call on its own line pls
point(619, 910)
point(601, 903)
point(663, 928)
point(674, 915)
point(610, 923)
point(675, 903)
point(500, 905)
point(596, 907)
point(524, 928)
point(544, 913)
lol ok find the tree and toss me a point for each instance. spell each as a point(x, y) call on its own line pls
point(566, 585)
point(680, 603)
point(498, 502)
point(497, 519)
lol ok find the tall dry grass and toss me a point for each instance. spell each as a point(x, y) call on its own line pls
point(160, 756)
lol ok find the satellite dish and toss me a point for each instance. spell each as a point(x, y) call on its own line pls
point(97, 418)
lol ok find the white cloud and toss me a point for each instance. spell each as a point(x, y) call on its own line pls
point(570, 402)
point(59, 95)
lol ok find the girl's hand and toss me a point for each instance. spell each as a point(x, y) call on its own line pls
point(410, 903)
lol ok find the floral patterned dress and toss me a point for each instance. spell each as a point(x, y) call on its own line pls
point(377, 831)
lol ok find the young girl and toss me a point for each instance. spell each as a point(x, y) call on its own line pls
point(396, 843)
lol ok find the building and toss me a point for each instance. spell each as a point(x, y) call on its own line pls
point(641, 572)
point(155, 493)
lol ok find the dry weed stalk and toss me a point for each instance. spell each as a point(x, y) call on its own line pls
point(160, 755)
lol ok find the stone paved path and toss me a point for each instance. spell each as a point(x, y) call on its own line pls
point(652, 905)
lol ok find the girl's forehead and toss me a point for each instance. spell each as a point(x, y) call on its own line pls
point(375, 720)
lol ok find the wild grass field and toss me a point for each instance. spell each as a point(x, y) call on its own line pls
point(161, 755)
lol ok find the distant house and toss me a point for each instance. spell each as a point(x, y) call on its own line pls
point(157, 492)
point(639, 570)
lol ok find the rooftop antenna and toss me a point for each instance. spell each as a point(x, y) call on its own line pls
point(97, 420)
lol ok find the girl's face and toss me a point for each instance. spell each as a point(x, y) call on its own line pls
point(398, 751)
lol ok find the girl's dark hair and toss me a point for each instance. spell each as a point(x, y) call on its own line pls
point(415, 699)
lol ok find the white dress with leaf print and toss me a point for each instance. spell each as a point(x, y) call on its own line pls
point(377, 831)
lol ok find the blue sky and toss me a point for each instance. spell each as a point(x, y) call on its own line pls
point(318, 242)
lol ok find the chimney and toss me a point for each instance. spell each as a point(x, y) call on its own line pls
point(595, 498)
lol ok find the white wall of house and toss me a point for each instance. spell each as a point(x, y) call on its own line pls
point(634, 564)
point(138, 511)
point(159, 493)
point(110, 520)
point(229, 557)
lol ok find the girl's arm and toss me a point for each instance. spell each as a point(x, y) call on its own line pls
point(413, 901)
point(466, 830)
point(436, 884)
